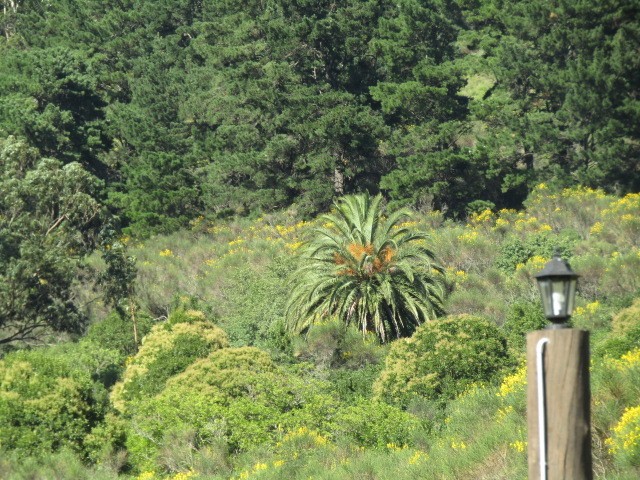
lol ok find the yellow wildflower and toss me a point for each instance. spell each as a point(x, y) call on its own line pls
point(468, 237)
point(183, 475)
point(260, 466)
point(592, 307)
point(458, 445)
point(518, 446)
point(514, 382)
point(628, 360)
point(503, 412)
point(417, 457)
point(626, 434)
point(293, 246)
point(596, 228)
point(146, 476)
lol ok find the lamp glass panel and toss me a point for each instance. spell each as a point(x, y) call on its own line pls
point(545, 292)
point(559, 294)
point(571, 295)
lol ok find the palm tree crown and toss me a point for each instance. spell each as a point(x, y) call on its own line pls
point(367, 269)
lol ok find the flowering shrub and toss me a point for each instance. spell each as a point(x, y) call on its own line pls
point(576, 208)
point(236, 395)
point(622, 218)
point(513, 383)
point(442, 359)
point(624, 443)
point(167, 350)
point(372, 423)
point(48, 400)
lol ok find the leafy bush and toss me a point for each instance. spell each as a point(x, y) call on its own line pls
point(48, 401)
point(351, 384)
point(625, 334)
point(166, 351)
point(116, 333)
point(236, 395)
point(518, 251)
point(332, 344)
point(370, 423)
point(64, 464)
point(442, 359)
point(343, 356)
point(523, 317)
point(256, 296)
point(627, 320)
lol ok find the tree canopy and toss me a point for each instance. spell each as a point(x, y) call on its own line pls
point(49, 218)
point(188, 108)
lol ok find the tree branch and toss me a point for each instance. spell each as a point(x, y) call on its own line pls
point(56, 224)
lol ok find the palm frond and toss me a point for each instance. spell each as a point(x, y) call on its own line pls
point(367, 269)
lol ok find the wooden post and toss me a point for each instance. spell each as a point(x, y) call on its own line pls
point(567, 401)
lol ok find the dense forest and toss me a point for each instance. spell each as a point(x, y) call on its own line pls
point(235, 235)
point(183, 108)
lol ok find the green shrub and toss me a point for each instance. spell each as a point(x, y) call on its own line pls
point(343, 356)
point(333, 344)
point(116, 333)
point(48, 401)
point(236, 395)
point(615, 345)
point(517, 251)
point(627, 320)
point(624, 335)
point(349, 384)
point(166, 351)
point(104, 365)
point(255, 297)
point(105, 445)
point(513, 253)
point(370, 423)
point(442, 359)
point(523, 317)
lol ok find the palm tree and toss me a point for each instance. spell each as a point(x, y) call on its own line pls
point(367, 269)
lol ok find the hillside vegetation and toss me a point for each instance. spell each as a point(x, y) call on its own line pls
point(297, 238)
point(220, 389)
point(140, 117)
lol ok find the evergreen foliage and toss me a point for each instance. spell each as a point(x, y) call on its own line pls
point(49, 219)
point(235, 395)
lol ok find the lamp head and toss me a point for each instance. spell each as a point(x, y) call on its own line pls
point(557, 284)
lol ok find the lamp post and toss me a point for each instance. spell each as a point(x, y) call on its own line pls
point(558, 392)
